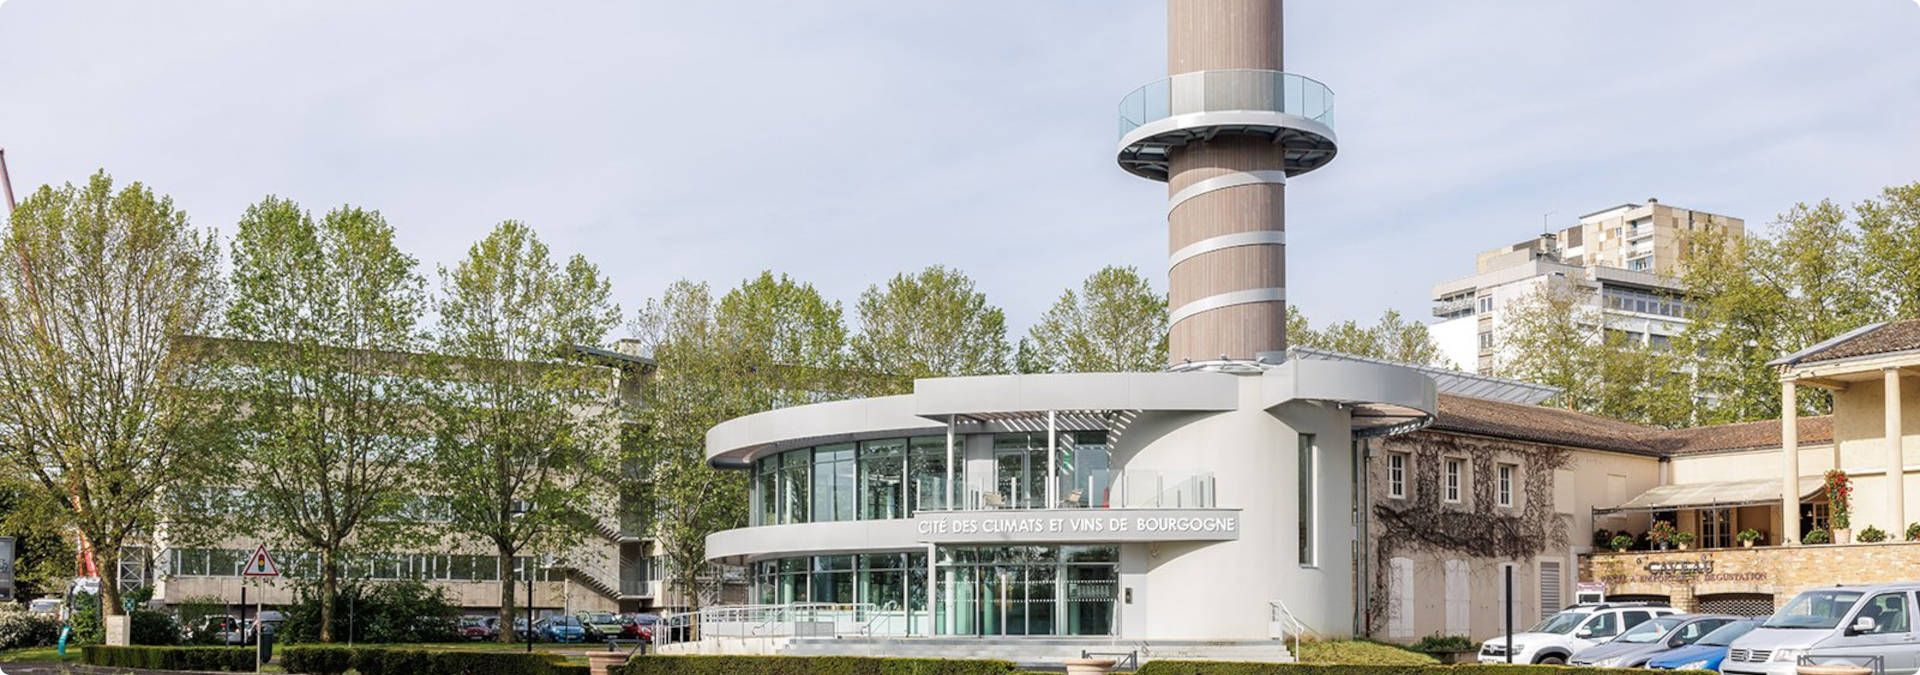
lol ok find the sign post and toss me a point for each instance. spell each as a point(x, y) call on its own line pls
point(260, 565)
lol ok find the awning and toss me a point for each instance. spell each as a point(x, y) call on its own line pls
point(1722, 494)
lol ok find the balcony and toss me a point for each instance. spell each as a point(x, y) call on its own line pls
point(1293, 111)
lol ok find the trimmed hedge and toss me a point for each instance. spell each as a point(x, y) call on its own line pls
point(806, 665)
point(333, 660)
point(170, 658)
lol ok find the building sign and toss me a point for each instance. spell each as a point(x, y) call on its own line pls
point(1701, 566)
point(1070, 526)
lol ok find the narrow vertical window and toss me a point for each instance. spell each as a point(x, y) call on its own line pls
point(1397, 475)
point(1455, 467)
point(1308, 478)
point(1506, 485)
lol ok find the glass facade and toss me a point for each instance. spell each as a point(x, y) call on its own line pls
point(897, 477)
point(992, 590)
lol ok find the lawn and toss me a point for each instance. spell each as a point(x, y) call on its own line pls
point(1361, 652)
point(575, 654)
point(37, 654)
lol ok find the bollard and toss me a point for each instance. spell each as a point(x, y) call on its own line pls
point(1089, 666)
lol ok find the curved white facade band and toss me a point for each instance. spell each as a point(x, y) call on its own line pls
point(1222, 182)
point(1139, 506)
point(1229, 299)
point(1226, 241)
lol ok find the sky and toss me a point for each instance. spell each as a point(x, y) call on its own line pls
point(844, 142)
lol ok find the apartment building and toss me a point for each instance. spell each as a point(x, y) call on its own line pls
point(1623, 261)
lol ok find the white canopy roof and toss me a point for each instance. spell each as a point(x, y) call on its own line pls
point(1720, 494)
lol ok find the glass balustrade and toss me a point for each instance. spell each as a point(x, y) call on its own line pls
point(1227, 90)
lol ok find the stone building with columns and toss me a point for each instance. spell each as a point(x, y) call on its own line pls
point(1769, 477)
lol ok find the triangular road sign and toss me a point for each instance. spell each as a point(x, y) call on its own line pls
point(260, 564)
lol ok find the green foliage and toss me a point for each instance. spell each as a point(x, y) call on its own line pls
point(1913, 532)
point(1374, 653)
point(333, 660)
point(797, 665)
point(88, 627)
point(234, 659)
point(405, 611)
point(1683, 537)
point(1393, 338)
point(1114, 323)
point(929, 324)
point(1551, 337)
point(1872, 535)
point(1442, 643)
point(317, 403)
point(152, 627)
point(1751, 534)
point(97, 413)
point(1819, 535)
point(1622, 542)
point(1823, 271)
point(521, 437)
point(193, 611)
point(20, 629)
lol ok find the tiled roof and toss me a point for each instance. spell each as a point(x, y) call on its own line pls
point(1556, 426)
point(1898, 336)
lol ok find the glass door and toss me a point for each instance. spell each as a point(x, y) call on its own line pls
point(1020, 469)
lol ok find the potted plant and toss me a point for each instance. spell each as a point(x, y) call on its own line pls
point(1603, 538)
point(1684, 539)
point(1448, 648)
point(1661, 534)
point(1913, 532)
point(1621, 543)
point(1872, 535)
point(1840, 505)
point(1817, 536)
point(1750, 535)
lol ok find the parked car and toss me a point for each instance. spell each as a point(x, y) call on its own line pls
point(640, 626)
point(1833, 626)
point(1556, 638)
point(224, 630)
point(1638, 644)
point(560, 629)
point(479, 628)
point(270, 620)
point(600, 626)
point(520, 630)
point(1708, 652)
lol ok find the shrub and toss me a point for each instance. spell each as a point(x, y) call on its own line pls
point(1872, 535)
point(799, 665)
point(85, 618)
point(20, 629)
point(153, 628)
point(1444, 643)
point(170, 658)
point(1683, 538)
point(1360, 652)
point(1751, 534)
point(1602, 538)
point(317, 659)
point(1817, 536)
point(399, 612)
point(193, 613)
point(1913, 532)
point(1622, 542)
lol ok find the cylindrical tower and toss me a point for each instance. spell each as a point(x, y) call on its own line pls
point(1225, 131)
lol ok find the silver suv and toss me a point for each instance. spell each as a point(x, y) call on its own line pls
point(1557, 637)
point(1857, 625)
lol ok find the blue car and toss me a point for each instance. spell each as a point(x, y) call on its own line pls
point(1707, 653)
point(561, 629)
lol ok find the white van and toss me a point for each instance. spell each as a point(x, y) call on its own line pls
point(1868, 626)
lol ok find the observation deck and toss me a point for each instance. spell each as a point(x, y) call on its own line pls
point(1293, 111)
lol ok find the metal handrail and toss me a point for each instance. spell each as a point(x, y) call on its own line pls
point(1121, 660)
point(1289, 625)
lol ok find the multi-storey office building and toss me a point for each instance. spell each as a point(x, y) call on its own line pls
point(1623, 261)
point(617, 568)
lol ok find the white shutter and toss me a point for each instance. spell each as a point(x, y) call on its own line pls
point(1400, 598)
point(1550, 600)
point(1458, 618)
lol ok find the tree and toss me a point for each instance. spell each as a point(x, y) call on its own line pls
point(522, 436)
point(772, 342)
point(325, 388)
point(930, 324)
point(1393, 338)
point(1556, 337)
point(1115, 323)
point(97, 409)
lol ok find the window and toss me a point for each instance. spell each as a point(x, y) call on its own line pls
point(833, 484)
point(1602, 625)
point(1505, 493)
point(1550, 601)
point(1458, 617)
point(1454, 479)
point(1716, 528)
point(1486, 340)
point(1307, 478)
point(1397, 475)
point(882, 465)
point(1486, 304)
point(1888, 611)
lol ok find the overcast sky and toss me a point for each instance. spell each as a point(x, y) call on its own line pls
point(842, 142)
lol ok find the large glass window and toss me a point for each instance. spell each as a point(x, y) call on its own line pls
point(927, 469)
point(832, 579)
point(1027, 590)
point(1308, 478)
point(794, 486)
point(1020, 471)
point(1716, 528)
point(1086, 475)
point(833, 484)
point(882, 479)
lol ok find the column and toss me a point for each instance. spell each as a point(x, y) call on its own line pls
point(1053, 463)
point(1896, 459)
point(1789, 464)
point(950, 505)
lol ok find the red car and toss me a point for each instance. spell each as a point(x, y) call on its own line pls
point(638, 626)
point(479, 628)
